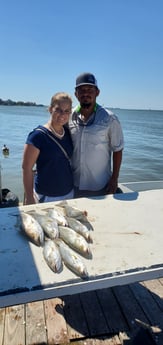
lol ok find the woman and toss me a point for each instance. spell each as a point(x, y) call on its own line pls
point(50, 148)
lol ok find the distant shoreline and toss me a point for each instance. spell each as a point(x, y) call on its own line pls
point(21, 103)
point(9, 102)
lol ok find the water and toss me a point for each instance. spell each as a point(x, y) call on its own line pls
point(143, 153)
point(142, 157)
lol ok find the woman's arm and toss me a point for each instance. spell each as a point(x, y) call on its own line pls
point(29, 159)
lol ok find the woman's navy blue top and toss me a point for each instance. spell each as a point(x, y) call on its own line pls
point(54, 174)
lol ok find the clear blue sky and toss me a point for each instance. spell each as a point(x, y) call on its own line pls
point(45, 44)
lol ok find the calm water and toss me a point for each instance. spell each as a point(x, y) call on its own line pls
point(143, 153)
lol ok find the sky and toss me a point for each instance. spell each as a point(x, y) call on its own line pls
point(46, 44)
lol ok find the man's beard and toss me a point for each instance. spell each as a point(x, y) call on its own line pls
point(85, 105)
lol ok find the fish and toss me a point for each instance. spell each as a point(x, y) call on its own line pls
point(62, 203)
point(58, 216)
point(31, 228)
point(80, 228)
point(49, 225)
point(75, 240)
point(52, 255)
point(74, 212)
point(71, 259)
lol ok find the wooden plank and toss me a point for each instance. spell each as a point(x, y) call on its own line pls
point(124, 338)
point(116, 340)
point(14, 331)
point(151, 309)
point(75, 317)
point(108, 340)
point(139, 337)
point(112, 311)
point(139, 333)
point(161, 280)
point(35, 324)
point(93, 313)
point(2, 322)
point(55, 322)
point(156, 289)
point(129, 306)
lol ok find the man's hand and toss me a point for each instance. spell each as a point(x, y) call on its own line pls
point(113, 182)
point(112, 186)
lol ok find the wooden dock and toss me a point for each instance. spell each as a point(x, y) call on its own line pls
point(129, 314)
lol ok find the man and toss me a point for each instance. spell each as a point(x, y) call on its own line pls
point(98, 142)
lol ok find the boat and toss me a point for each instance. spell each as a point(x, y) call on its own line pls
point(140, 186)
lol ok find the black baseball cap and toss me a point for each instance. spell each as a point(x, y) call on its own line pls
point(86, 79)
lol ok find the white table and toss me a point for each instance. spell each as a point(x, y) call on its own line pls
point(127, 247)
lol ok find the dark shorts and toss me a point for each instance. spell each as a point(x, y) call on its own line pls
point(88, 193)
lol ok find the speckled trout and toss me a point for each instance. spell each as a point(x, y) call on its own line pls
point(71, 259)
point(52, 255)
point(80, 228)
point(31, 228)
point(74, 212)
point(49, 225)
point(74, 240)
point(58, 216)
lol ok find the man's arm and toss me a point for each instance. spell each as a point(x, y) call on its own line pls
point(113, 182)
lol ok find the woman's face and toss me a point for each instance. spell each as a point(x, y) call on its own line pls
point(60, 112)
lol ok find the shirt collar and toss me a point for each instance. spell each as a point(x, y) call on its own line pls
point(90, 119)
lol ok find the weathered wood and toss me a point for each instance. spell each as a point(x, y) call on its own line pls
point(35, 324)
point(93, 313)
point(148, 304)
point(109, 340)
point(124, 315)
point(156, 289)
point(112, 311)
point(124, 338)
point(133, 312)
point(151, 309)
point(55, 322)
point(116, 340)
point(161, 280)
point(129, 305)
point(139, 337)
point(75, 317)
point(2, 322)
point(14, 331)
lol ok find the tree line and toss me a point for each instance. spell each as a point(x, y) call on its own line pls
point(10, 102)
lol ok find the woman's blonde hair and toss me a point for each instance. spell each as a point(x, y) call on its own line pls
point(60, 97)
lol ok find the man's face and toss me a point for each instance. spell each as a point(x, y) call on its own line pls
point(86, 95)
